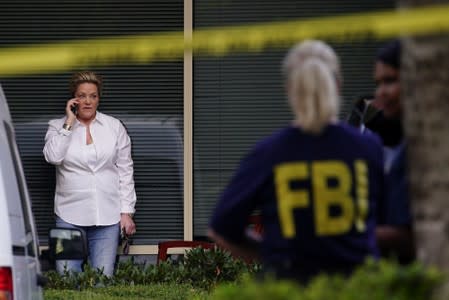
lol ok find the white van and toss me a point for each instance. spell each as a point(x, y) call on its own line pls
point(20, 273)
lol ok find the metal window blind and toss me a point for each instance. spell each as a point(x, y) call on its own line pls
point(239, 99)
point(147, 98)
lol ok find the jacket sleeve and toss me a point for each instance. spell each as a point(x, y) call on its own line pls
point(57, 142)
point(125, 167)
point(241, 196)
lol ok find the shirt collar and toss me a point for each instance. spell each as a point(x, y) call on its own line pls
point(99, 118)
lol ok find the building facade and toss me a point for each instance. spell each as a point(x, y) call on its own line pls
point(190, 120)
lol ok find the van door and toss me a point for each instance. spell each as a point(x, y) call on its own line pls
point(24, 244)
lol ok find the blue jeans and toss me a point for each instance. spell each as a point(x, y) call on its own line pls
point(102, 243)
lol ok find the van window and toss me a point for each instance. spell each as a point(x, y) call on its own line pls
point(21, 186)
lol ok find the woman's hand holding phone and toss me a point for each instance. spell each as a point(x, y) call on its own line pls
point(70, 110)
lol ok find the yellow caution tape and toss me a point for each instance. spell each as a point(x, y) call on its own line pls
point(48, 58)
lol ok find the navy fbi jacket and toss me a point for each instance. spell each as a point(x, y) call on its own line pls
point(318, 197)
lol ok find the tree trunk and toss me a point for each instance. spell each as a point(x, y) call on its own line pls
point(425, 78)
point(425, 96)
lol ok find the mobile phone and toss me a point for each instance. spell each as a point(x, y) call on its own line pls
point(74, 108)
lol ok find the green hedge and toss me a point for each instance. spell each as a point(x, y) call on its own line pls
point(373, 281)
point(199, 268)
point(215, 275)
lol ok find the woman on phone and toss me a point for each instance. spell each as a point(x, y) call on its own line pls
point(94, 173)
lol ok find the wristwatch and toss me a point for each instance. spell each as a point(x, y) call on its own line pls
point(129, 215)
point(67, 126)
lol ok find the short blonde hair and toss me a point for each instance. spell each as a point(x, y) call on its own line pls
point(85, 76)
point(312, 71)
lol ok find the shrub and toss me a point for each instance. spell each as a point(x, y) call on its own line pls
point(202, 270)
point(129, 272)
point(77, 281)
point(372, 281)
point(205, 268)
point(199, 268)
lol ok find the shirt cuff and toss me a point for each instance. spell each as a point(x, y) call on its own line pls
point(127, 210)
point(65, 132)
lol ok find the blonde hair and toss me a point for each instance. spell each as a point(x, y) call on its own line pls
point(312, 71)
point(85, 76)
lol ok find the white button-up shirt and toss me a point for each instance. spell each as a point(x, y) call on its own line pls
point(91, 193)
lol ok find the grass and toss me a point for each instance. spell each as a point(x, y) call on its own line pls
point(130, 292)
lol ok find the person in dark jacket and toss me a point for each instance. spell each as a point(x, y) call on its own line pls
point(317, 197)
point(394, 233)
